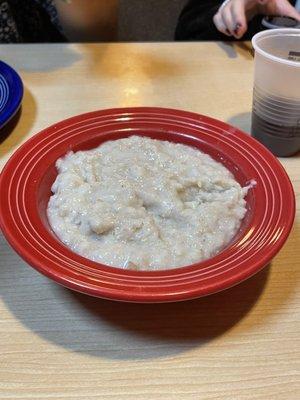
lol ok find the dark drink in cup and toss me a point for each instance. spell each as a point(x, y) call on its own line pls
point(276, 95)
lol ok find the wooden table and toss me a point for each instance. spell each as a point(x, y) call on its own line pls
point(54, 344)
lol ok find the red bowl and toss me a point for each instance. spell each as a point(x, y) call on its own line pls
point(25, 186)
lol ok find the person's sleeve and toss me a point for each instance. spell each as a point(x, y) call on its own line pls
point(196, 21)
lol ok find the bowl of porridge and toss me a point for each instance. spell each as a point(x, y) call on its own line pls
point(145, 204)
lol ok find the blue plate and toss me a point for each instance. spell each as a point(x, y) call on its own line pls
point(11, 93)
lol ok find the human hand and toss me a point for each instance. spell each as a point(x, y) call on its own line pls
point(233, 15)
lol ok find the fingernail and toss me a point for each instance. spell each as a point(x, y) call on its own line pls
point(237, 28)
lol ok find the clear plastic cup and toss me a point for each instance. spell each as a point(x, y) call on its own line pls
point(276, 94)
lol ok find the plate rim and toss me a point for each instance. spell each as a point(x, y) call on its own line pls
point(154, 297)
point(16, 93)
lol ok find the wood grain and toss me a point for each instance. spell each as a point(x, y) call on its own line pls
point(240, 344)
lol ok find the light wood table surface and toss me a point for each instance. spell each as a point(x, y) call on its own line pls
point(55, 344)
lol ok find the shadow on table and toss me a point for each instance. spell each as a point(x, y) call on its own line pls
point(193, 322)
point(113, 330)
point(233, 49)
point(12, 134)
point(10, 126)
point(241, 121)
point(58, 56)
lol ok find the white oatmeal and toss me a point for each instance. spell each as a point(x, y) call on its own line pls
point(145, 204)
